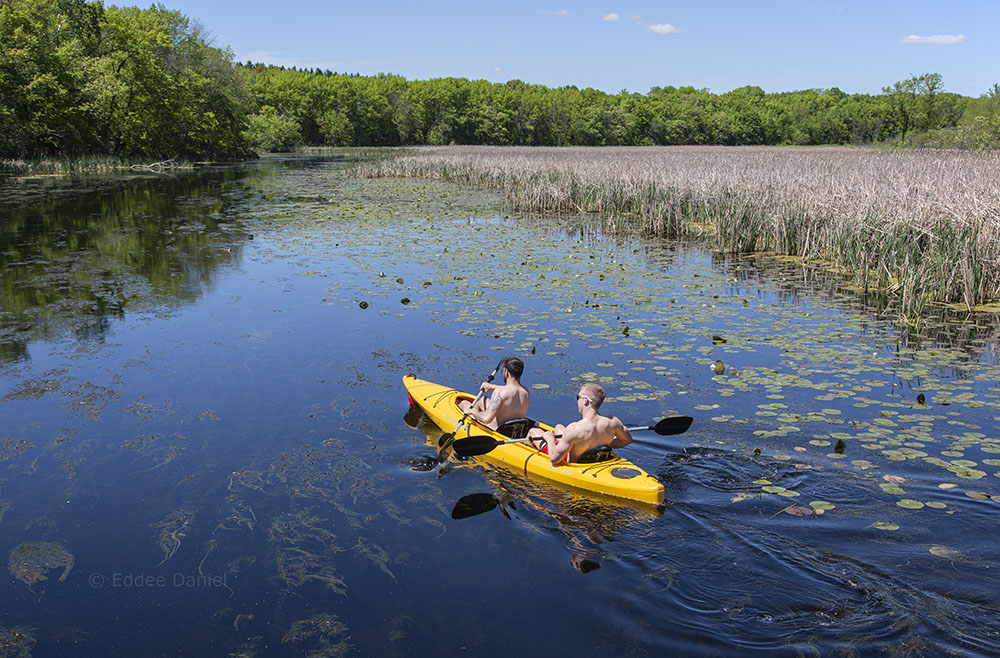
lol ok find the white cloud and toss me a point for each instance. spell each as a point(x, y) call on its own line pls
point(497, 69)
point(611, 17)
point(945, 39)
point(665, 28)
point(558, 12)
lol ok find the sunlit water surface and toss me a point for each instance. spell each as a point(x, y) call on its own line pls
point(205, 446)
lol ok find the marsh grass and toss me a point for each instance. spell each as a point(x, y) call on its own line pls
point(923, 225)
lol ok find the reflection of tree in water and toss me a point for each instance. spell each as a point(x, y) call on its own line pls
point(82, 254)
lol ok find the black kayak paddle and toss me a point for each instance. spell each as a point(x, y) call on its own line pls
point(482, 444)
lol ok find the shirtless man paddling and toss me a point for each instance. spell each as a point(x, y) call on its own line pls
point(592, 430)
point(506, 401)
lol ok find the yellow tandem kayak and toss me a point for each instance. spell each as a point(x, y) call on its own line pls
point(613, 476)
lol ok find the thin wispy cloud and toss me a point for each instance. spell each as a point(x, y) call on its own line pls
point(497, 69)
point(941, 39)
point(665, 28)
point(557, 12)
point(611, 17)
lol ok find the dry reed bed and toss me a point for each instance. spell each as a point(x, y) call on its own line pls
point(922, 224)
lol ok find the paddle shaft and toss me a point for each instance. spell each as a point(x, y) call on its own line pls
point(481, 444)
point(447, 438)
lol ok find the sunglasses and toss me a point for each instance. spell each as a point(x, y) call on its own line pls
point(578, 396)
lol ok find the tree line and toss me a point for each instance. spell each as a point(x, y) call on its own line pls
point(80, 78)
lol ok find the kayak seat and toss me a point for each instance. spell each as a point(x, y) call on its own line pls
point(596, 455)
point(517, 428)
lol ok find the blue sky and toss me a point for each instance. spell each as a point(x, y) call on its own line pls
point(783, 45)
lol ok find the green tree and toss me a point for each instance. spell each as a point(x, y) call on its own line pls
point(267, 130)
point(45, 53)
point(919, 104)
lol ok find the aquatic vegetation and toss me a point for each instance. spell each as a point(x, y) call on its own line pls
point(917, 224)
point(323, 472)
point(324, 632)
point(30, 561)
point(10, 448)
point(172, 529)
point(242, 515)
point(248, 479)
point(305, 551)
point(17, 642)
point(35, 387)
point(376, 555)
point(90, 400)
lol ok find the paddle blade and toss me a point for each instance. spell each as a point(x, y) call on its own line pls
point(445, 438)
point(673, 425)
point(474, 445)
point(473, 504)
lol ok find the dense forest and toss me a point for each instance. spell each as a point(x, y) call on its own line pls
point(78, 78)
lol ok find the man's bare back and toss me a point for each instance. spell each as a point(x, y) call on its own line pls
point(506, 402)
point(569, 442)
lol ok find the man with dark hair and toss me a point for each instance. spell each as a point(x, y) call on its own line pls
point(506, 401)
point(567, 442)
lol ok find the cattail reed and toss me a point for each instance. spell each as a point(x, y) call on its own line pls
point(924, 225)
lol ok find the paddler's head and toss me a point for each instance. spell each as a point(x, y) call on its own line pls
point(590, 395)
point(512, 367)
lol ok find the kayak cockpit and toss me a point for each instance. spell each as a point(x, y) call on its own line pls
point(517, 428)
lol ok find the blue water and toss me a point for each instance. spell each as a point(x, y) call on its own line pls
point(197, 408)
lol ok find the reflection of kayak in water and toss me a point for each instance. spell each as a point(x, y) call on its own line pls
point(612, 475)
point(588, 521)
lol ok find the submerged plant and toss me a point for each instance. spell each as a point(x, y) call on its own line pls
point(30, 561)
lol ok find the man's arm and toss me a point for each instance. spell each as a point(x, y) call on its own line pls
point(487, 415)
point(561, 442)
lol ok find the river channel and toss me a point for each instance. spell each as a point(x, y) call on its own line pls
point(206, 447)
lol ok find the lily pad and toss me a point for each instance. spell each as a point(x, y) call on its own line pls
point(909, 503)
point(945, 552)
point(798, 510)
point(885, 525)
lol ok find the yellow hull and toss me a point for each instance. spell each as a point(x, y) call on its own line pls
point(616, 477)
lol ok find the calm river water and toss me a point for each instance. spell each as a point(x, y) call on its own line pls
point(205, 444)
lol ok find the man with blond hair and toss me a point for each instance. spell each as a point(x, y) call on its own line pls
point(568, 442)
